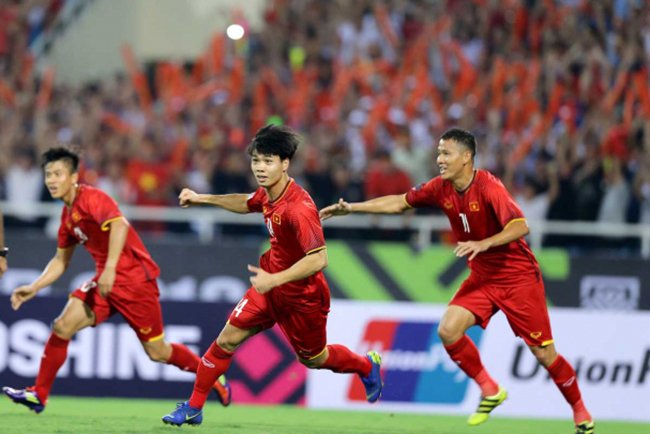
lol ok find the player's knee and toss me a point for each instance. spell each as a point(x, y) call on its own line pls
point(227, 343)
point(63, 328)
point(156, 354)
point(544, 355)
point(312, 363)
point(543, 359)
point(316, 362)
point(448, 335)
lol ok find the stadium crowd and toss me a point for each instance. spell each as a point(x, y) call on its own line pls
point(556, 91)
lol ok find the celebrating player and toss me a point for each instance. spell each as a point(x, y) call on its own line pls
point(3, 250)
point(504, 273)
point(125, 281)
point(288, 287)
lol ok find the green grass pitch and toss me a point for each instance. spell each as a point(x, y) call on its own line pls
point(103, 415)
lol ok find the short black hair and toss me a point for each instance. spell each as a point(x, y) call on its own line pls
point(64, 154)
point(462, 137)
point(275, 140)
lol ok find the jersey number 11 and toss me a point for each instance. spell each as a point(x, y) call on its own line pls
point(463, 218)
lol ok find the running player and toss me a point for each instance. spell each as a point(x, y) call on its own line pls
point(504, 273)
point(288, 286)
point(125, 281)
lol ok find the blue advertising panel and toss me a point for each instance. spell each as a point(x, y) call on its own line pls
point(108, 360)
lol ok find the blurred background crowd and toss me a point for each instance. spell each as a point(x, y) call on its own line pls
point(556, 91)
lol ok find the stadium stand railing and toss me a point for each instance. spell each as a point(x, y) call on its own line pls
point(205, 220)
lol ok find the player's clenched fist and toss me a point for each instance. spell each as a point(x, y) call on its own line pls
point(21, 295)
point(187, 197)
point(340, 208)
point(262, 281)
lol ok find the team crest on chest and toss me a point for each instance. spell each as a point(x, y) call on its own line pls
point(447, 204)
point(276, 218)
point(75, 216)
point(473, 206)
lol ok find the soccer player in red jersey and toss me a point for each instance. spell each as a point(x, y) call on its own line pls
point(504, 274)
point(125, 281)
point(288, 286)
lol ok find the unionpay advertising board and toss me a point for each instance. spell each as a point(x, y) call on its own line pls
point(610, 351)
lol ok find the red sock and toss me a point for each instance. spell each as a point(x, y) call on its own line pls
point(183, 358)
point(215, 362)
point(344, 361)
point(54, 354)
point(565, 379)
point(466, 356)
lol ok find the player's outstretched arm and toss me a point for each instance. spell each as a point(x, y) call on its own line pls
point(232, 202)
point(392, 204)
point(54, 269)
point(340, 208)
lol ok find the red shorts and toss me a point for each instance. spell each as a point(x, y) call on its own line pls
point(305, 328)
point(137, 303)
point(524, 306)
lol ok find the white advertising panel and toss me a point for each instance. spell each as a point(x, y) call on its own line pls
point(610, 351)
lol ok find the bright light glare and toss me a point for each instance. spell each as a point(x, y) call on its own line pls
point(235, 32)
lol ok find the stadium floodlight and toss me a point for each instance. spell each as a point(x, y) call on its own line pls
point(235, 32)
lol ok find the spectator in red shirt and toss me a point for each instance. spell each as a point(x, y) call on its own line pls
point(384, 178)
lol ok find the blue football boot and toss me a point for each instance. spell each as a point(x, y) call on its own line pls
point(184, 414)
point(373, 382)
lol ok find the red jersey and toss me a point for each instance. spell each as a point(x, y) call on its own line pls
point(87, 221)
point(383, 183)
point(295, 231)
point(479, 212)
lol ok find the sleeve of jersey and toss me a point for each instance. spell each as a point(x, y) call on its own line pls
point(505, 207)
point(308, 229)
point(254, 201)
point(426, 194)
point(103, 209)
